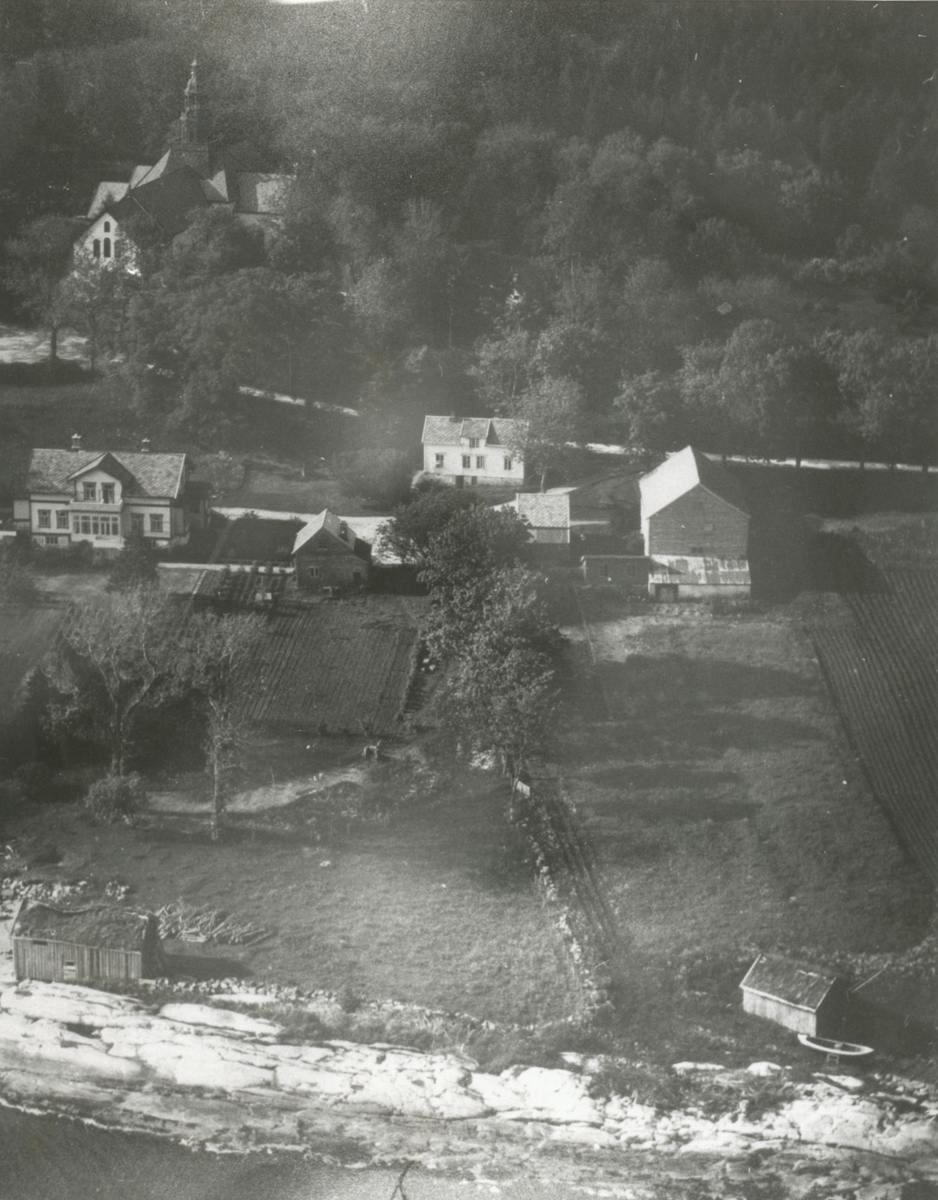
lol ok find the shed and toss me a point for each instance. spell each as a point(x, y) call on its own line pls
point(628, 571)
point(676, 576)
point(97, 943)
point(806, 998)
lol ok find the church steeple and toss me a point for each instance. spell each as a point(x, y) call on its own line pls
point(190, 121)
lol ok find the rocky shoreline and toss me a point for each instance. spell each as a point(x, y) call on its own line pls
point(223, 1080)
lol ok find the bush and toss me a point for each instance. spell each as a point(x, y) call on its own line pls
point(33, 780)
point(116, 797)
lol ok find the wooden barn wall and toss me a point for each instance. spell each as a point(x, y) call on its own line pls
point(699, 523)
point(46, 962)
point(783, 1014)
point(334, 570)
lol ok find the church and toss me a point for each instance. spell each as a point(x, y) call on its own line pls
point(194, 172)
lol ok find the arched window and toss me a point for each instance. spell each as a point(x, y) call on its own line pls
point(96, 248)
point(107, 226)
point(107, 247)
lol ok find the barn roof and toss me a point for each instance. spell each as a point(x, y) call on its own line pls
point(543, 510)
point(450, 431)
point(155, 475)
point(100, 925)
point(679, 474)
point(797, 983)
point(682, 568)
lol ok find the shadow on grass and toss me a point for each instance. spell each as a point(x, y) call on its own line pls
point(203, 967)
point(42, 374)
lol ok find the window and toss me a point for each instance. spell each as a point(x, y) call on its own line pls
point(314, 572)
point(700, 550)
point(480, 462)
point(438, 461)
point(107, 493)
point(466, 461)
point(473, 443)
point(107, 247)
point(89, 491)
point(107, 226)
point(61, 519)
point(136, 522)
point(96, 248)
point(156, 522)
point(44, 518)
point(474, 480)
point(509, 464)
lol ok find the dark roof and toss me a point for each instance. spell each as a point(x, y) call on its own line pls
point(104, 926)
point(797, 983)
point(156, 475)
point(168, 200)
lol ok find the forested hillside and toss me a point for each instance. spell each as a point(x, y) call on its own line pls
point(656, 222)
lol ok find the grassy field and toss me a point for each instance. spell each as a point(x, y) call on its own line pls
point(429, 902)
point(705, 758)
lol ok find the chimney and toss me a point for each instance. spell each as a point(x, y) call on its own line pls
point(76, 441)
point(145, 446)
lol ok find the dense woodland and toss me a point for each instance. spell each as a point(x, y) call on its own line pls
point(651, 222)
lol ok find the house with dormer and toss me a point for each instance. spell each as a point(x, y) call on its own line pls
point(472, 451)
point(327, 553)
point(102, 496)
point(194, 172)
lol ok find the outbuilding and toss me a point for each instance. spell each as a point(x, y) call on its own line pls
point(328, 553)
point(802, 997)
point(692, 506)
point(92, 944)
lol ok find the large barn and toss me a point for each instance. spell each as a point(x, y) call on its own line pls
point(695, 527)
point(800, 996)
point(93, 944)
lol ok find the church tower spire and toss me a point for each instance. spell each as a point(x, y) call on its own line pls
point(190, 121)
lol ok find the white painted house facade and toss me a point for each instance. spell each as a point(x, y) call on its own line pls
point(101, 497)
point(472, 451)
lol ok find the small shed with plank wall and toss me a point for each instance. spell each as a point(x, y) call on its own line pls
point(798, 995)
point(94, 944)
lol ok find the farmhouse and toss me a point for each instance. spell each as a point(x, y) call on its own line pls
point(801, 997)
point(472, 450)
point(328, 553)
point(93, 944)
point(102, 496)
point(194, 172)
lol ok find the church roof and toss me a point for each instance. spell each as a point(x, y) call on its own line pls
point(156, 475)
point(681, 473)
point(168, 199)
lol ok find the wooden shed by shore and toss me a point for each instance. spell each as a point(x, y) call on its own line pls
point(96, 943)
point(806, 998)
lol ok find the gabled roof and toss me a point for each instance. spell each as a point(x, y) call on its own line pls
point(450, 431)
point(543, 510)
point(167, 199)
point(97, 925)
point(106, 194)
point(335, 526)
point(105, 462)
point(797, 983)
point(679, 474)
point(159, 476)
point(693, 569)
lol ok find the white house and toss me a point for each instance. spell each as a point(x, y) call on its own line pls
point(103, 496)
point(470, 451)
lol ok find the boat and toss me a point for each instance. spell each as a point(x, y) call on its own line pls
point(834, 1048)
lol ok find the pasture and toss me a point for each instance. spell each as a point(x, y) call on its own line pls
point(706, 760)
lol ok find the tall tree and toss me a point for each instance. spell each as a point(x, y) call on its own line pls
point(38, 260)
point(549, 416)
